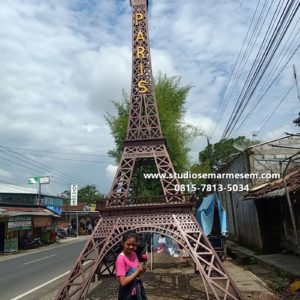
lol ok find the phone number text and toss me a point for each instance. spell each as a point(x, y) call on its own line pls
point(211, 187)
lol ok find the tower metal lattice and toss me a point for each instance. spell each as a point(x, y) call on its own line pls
point(170, 214)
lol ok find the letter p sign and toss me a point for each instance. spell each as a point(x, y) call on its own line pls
point(138, 17)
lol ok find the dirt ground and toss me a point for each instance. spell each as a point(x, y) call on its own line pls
point(174, 279)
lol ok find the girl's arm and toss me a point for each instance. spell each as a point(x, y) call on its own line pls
point(123, 280)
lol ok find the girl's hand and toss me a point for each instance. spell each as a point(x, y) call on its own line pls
point(141, 269)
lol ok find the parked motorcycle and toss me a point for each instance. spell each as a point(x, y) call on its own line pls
point(30, 244)
point(61, 233)
point(72, 232)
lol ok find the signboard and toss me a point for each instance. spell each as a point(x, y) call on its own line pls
point(37, 179)
point(33, 180)
point(93, 207)
point(74, 192)
point(19, 223)
point(11, 245)
point(44, 179)
point(41, 221)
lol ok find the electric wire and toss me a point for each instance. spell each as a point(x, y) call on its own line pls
point(241, 67)
point(223, 104)
point(265, 92)
point(275, 109)
point(282, 34)
point(26, 167)
point(47, 168)
point(55, 152)
point(282, 56)
point(253, 44)
point(258, 101)
point(70, 159)
point(251, 76)
point(261, 63)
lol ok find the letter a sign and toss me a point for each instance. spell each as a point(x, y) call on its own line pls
point(74, 189)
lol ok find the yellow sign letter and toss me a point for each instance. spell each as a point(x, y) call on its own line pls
point(141, 69)
point(140, 52)
point(142, 88)
point(140, 36)
point(138, 17)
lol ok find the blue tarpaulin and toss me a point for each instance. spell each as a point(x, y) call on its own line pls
point(205, 214)
point(56, 209)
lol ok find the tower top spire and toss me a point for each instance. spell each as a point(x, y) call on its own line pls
point(138, 2)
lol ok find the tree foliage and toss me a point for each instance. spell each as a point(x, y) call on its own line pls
point(87, 194)
point(223, 151)
point(170, 97)
point(218, 154)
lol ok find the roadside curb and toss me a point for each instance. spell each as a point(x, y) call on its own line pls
point(19, 253)
point(236, 251)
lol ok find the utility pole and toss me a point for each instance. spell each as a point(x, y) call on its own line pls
point(296, 121)
point(296, 82)
point(210, 154)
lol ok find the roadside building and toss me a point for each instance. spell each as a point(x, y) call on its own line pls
point(253, 223)
point(79, 217)
point(278, 208)
point(23, 218)
point(13, 194)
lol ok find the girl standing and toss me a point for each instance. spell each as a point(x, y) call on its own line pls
point(128, 269)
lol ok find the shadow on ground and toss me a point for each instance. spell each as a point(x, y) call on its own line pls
point(158, 286)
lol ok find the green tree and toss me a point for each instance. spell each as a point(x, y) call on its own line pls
point(218, 154)
point(223, 151)
point(170, 96)
point(89, 194)
point(67, 196)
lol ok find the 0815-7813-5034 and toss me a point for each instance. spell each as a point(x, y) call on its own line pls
point(217, 187)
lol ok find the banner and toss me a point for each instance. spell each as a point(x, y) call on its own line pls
point(18, 223)
point(74, 191)
point(41, 221)
point(11, 245)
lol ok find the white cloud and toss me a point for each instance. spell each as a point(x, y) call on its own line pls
point(111, 171)
point(62, 62)
point(4, 175)
point(90, 127)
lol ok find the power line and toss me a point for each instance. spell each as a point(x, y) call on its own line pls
point(55, 152)
point(77, 160)
point(223, 104)
point(45, 167)
point(273, 81)
point(282, 56)
point(256, 66)
point(264, 57)
point(26, 167)
point(239, 71)
point(275, 109)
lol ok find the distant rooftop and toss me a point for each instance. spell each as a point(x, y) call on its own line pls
point(16, 189)
point(6, 188)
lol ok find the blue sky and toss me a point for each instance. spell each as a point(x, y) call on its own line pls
point(62, 62)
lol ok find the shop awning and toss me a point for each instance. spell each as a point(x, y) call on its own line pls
point(27, 211)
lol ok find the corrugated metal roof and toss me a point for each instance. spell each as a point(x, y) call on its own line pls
point(275, 188)
point(78, 207)
point(26, 211)
point(15, 189)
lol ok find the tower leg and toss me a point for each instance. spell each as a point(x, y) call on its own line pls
point(183, 228)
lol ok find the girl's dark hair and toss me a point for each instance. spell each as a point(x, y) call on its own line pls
point(128, 235)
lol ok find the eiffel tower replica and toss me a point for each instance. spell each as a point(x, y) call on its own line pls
point(170, 214)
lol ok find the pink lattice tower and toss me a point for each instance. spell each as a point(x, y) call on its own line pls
point(170, 214)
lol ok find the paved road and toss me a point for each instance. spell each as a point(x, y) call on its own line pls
point(22, 273)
